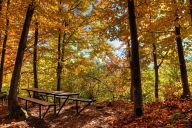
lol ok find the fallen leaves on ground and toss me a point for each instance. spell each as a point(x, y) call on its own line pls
point(173, 112)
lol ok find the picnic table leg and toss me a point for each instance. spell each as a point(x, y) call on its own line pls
point(76, 106)
point(59, 100)
point(78, 112)
point(54, 104)
point(26, 105)
point(2, 102)
point(29, 93)
point(42, 97)
point(46, 112)
point(47, 97)
point(39, 111)
point(63, 105)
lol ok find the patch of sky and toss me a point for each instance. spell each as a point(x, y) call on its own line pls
point(88, 27)
point(44, 43)
point(85, 53)
point(107, 30)
point(76, 11)
point(88, 11)
point(116, 27)
point(73, 47)
point(189, 47)
point(150, 66)
point(118, 45)
point(99, 60)
point(41, 44)
point(119, 15)
point(116, 6)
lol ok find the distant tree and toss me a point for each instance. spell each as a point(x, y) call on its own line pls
point(180, 51)
point(4, 45)
point(1, 1)
point(13, 105)
point(59, 67)
point(190, 1)
point(135, 65)
point(35, 58)
point(156, 68)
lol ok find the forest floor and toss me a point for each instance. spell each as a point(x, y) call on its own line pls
point(117, 114)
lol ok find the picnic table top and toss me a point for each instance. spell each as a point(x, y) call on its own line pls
point(58, 93)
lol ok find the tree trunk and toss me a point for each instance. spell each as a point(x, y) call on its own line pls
point(63, 52)
point(1, 2)
point(35, 59)
point(4, 46)
point(191, 9)
point(183, 70)
point(59, 68)
point(129, 59)
point(156, 68)
point(12, 98)
point(135, 65)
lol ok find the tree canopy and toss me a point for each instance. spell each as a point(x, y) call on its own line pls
point(69, 45)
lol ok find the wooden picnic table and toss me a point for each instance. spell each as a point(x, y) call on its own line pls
point(55, 94)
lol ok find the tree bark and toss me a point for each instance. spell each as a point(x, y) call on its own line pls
point(12, 98)
point(190, 9)
point(183, 70)
point(135, 65)
point(4, 47)
point(35, 59)
point(59, 68)
point(63, 51)
point(1, 2)
point(129, 59)
point(156, 68)
point(180, 51)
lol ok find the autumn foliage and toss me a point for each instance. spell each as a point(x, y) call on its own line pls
point(135, 50)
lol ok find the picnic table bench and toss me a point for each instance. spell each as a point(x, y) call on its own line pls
point(88, 101)
point(37, 101)
point(56, 95)
point(53, 94)
point(77, 100)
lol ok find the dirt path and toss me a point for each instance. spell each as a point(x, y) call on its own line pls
point(175, 113)
point(99, 115)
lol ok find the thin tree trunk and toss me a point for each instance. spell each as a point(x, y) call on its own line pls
point(4, 46)
point(1, 2)
point(63, 52)
point(190, 1)
point(183, 70)
point(135, 66)
point(63, 49)
point(129, 59)
point(35, 59)
point(13, 106)
point(59, 68)
point(156, 68)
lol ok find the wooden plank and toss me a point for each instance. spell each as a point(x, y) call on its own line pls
point(45, 103)
point(47, 92)
point(82, 99)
